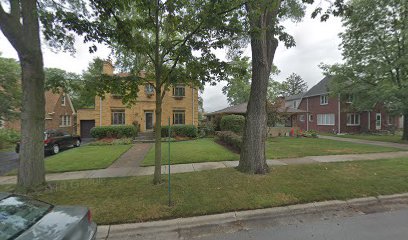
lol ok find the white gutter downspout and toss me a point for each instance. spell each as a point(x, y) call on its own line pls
point(307, 114)
point(192, 104)
point(100, 111)
point(339, 117)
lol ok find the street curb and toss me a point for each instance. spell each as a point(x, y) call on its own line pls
point(180, 224)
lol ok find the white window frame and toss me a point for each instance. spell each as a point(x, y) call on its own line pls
point(302, 118)
point(353, 119)
point(115, 120)
point(63, 100)
point(327, 119)
point(324, 99)
point(65, 121)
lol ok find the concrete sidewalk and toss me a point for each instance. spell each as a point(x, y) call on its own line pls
point(127, 171)
point(210, 226)
point(362, 141)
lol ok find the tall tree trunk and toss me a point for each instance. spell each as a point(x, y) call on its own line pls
point(21, 27)
point(157, 143)
point(31, 173)
point(263, 46)
point(405, 128)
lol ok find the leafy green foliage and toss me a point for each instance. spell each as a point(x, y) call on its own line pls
point(10, 88)
point(180, 131)
point(125, 131)
point(374, 48)
point(230, 138)
point(294, 84)
point(233, 123)
point(8, 137)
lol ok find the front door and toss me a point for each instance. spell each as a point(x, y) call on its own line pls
point(378, 121)
point(149, 120)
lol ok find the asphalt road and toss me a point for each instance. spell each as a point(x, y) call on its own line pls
point(377, 226)
point(8, 162)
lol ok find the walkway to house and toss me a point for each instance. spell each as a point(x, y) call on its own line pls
point(376, 143)
point(133, 157)
point(123, 167)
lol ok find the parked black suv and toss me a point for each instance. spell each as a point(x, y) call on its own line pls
point(55, 140)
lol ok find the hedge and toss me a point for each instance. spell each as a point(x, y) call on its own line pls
point(123, 131)
point(234, 123)
point(180, 130)
point(230, 138)
point(8, 136)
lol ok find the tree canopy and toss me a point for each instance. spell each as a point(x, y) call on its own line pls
point(294, 84)
point(10, 89)
point(375, 50)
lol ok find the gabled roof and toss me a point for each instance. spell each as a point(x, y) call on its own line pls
point(294, 97)
point(320, 88)
point(237, 109)
point(51, 99)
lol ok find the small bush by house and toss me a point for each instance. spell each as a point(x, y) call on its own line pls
point(233, 123)
point(125, 131)
point(180, 131)
point(8, 137)
point(230, 138)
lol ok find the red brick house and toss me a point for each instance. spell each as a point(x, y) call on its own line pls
point(327, 113)
point(59, 113)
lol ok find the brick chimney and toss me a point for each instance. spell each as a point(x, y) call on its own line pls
point(107, 67)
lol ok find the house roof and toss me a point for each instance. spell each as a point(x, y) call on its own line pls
point(294, 97)
point(320, 88)
point(51, 99)
point(242, 109)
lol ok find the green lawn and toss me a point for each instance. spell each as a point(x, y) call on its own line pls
point(136, 199)
point(286, 147)
point(85, 158)
point(382, 138)
point(201, 150)
point(206, 150)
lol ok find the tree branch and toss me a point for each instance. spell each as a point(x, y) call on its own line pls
point(15, 9)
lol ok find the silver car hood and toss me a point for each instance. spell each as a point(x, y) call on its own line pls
point(56, 224)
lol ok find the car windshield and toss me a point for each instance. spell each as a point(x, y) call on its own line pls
point(19, 213)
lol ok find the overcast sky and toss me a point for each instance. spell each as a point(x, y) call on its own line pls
point(316, 43)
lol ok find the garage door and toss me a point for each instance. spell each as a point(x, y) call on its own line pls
point(86, 126)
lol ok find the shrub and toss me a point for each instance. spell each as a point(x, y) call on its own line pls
point(206, 130)
point(125, 131)
point(180, 130)
point(310, 134)
point(230, 138)
point(110, 141)
point(234, 123)
point(8, 137)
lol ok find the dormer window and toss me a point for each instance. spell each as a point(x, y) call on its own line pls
point(63, 100)
point(149, 89)
point(179, 91)
point(324, 100)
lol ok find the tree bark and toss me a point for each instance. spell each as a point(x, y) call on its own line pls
point(24, 36)
point(405, 128)
point(263, 46)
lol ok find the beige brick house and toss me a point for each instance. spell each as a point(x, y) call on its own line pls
point(180, 104)
point(59, 113)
